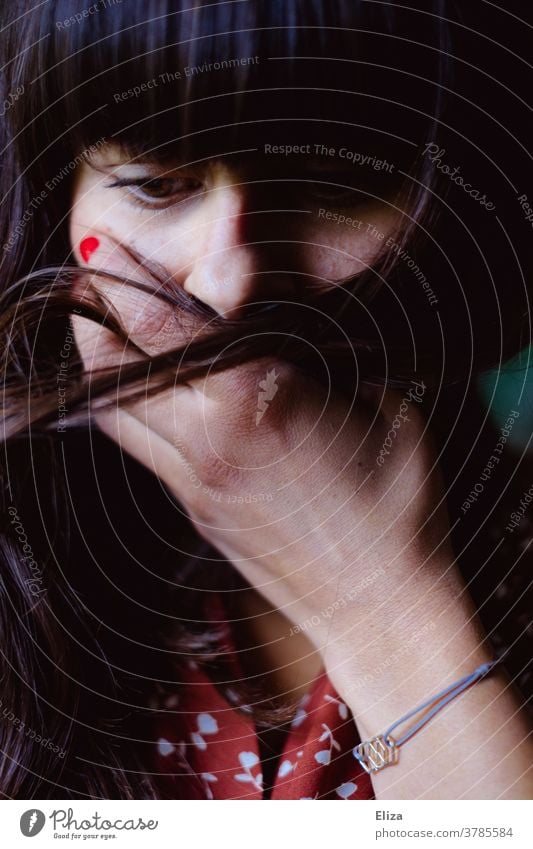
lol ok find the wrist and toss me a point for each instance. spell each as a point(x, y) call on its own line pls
point(400, 654)
point(384, 692)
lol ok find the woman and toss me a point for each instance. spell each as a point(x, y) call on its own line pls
point(247, 289)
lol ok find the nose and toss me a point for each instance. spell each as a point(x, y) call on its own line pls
point(229, 272)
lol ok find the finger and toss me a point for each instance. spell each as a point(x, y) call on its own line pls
point(151, 322)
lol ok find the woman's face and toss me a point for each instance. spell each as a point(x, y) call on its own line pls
point(230, 231)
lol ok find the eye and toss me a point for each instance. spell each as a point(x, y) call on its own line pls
point(335, 186)
point(159, 187)
point(157, 191)
point(350, 188)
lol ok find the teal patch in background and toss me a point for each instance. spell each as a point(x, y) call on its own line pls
point(511, 388)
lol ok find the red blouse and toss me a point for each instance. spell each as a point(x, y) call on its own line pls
point(312, 760)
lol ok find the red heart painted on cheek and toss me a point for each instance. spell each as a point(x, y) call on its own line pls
point(88, 247)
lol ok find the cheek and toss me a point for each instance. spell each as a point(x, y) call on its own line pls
point(348, 243)
point(93, 231)
point(88, 228)
point(337, 255)
point(174, 248)
point(98, 231)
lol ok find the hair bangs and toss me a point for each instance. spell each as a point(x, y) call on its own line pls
point(224, 77)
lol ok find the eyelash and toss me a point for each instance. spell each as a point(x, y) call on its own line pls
point(347, 195)
point(345, 198)
point(140, 182)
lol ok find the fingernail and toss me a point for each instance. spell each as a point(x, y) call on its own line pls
point(88, 247)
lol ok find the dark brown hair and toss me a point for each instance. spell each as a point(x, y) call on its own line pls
point(398, 83)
